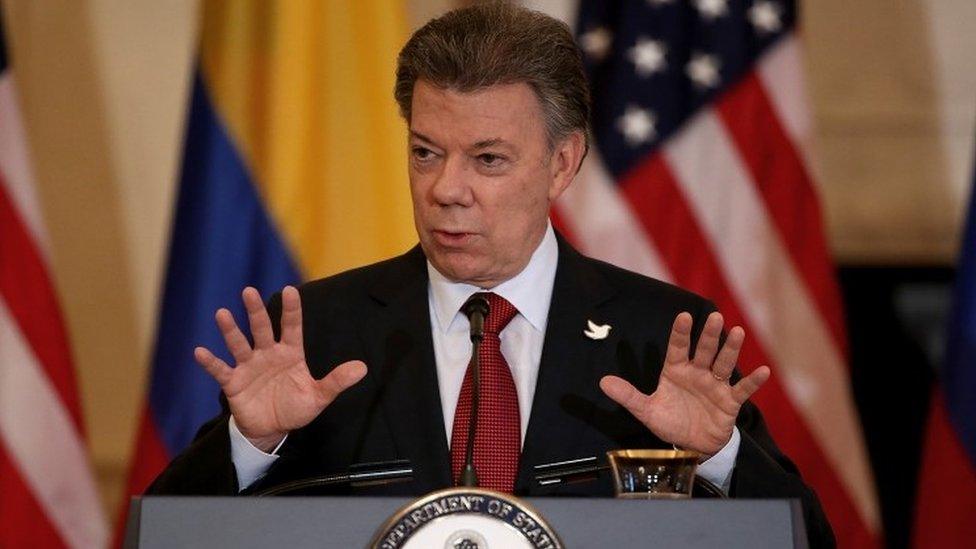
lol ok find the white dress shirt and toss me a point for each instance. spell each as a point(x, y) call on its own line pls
point(530, 292)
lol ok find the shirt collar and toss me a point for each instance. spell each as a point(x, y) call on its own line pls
point(530, 291)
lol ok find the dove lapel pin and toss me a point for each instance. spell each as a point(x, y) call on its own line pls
point(595, 331)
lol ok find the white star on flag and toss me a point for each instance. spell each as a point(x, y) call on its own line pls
point(703, 70)
point(765, 17)
point(712, 9)
point(596, 42)
point(637, 125)
point(648, 56)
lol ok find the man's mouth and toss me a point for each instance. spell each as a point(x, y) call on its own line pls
point(451, 238)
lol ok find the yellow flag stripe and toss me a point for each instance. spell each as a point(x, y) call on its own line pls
point(305, 90)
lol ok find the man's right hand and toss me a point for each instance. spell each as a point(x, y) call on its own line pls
point(270, 390)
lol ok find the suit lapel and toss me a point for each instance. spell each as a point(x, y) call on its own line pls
point(408, 375)
point(567, 374)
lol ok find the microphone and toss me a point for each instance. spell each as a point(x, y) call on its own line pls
point(476, 309)
point(359, 474)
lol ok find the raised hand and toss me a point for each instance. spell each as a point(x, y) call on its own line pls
point(270, 390)
point(693, 407)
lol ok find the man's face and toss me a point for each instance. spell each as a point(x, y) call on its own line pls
point(482, 178)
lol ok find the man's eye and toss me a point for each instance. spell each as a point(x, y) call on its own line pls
point(490, 160)
point(422, 153)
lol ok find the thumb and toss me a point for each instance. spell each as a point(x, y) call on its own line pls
point(625, 394)
point(341, 378)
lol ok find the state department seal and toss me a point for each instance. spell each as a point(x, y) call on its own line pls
point(466, 539)
point(466, 518)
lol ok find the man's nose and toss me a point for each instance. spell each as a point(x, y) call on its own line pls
point(451, 186)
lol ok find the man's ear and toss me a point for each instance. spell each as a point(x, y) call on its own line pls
point(567, 157)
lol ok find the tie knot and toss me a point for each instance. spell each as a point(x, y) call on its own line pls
point(500, 313)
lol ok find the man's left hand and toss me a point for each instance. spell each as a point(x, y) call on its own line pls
point(694, 407)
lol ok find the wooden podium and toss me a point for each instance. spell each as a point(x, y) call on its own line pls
point(319, 522)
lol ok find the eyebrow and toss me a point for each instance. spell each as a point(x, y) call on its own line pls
point(493, 142)
point(483, 144)
point(421, 136)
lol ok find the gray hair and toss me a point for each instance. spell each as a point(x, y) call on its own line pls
point(498, 43)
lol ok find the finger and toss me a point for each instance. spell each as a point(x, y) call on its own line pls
point(217, 368)
point(680, 341)
point(257, 316)
point(708, 341)
point(291, 317)
point(725, 362)
point(745, 388)
point(625, 394)
point(341, 378)
point(236, 343)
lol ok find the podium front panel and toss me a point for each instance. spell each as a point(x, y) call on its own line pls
point(319, 522)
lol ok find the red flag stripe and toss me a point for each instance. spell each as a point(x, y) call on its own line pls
point(151, 455)
point(607, 227)
point(27, 290)
point(24, 524)
point(149, 460)
point(674, 229)
point(781, 180)
point(946, 498)
point(689, 256)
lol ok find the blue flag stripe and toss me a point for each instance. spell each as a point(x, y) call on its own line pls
point(960, 368)
point(222, 241)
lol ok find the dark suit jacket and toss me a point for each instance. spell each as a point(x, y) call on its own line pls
point(380, 314)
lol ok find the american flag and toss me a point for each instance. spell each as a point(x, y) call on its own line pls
point(47, 492)
point(701, 176)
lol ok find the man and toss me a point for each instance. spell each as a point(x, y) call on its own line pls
point(588, 358)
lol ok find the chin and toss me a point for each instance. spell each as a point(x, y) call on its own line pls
point(458, 273)
point(460, 269)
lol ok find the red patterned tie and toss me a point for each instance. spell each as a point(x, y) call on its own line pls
point(498, 435)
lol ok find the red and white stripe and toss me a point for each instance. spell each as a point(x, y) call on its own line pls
point(728, 208)
point(47, 493)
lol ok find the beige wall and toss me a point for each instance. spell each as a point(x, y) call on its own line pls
point(894, 94)
point(103, 85)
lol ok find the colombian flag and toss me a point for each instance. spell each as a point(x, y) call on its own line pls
point(294, 168)
point(946, 499)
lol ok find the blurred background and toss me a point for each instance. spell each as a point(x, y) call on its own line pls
point(104, 87)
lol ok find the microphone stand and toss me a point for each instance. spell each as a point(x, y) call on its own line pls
point(476, 309)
